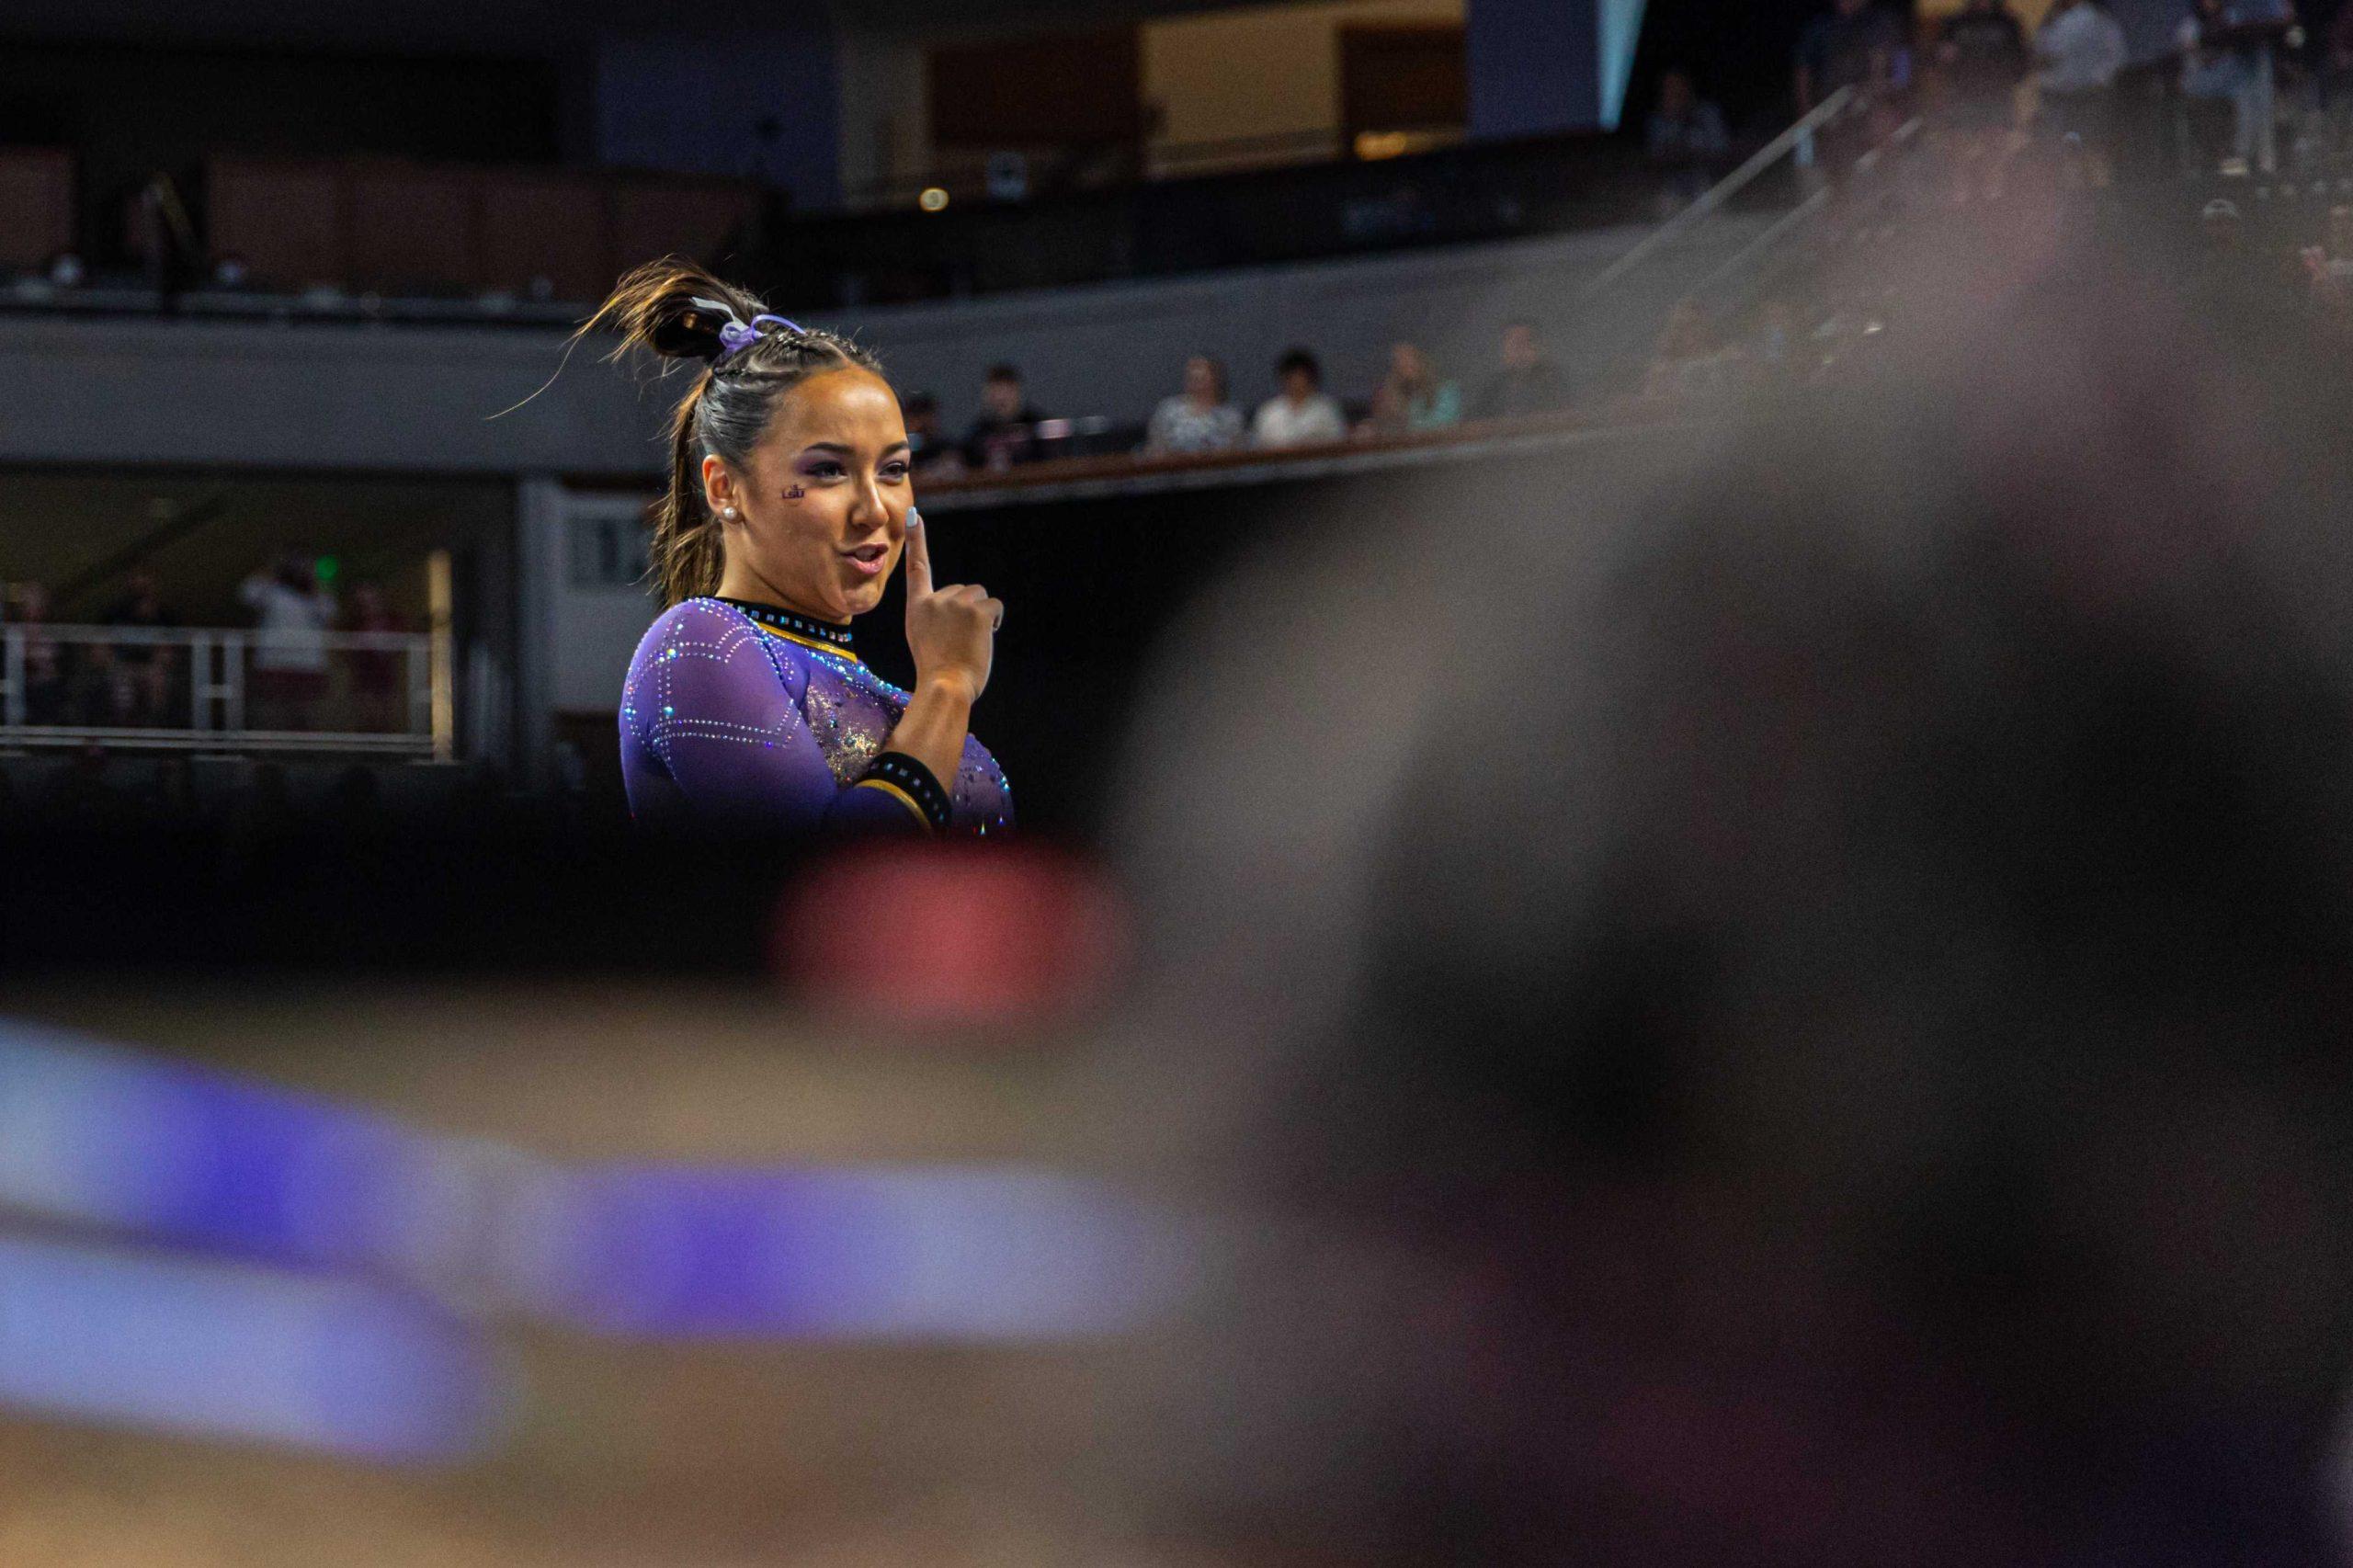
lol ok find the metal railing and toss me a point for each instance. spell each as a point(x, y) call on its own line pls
point(1796, 142)
point(1866, 179)
point(202, 689)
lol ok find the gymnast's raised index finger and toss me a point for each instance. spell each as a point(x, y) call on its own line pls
point(918, 555)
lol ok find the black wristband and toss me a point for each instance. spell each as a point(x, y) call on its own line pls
point(913, 782)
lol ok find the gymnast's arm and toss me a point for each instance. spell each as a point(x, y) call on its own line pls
point(951, 632)
point(736, 743)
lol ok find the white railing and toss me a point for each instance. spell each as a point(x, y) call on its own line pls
point(197, 688)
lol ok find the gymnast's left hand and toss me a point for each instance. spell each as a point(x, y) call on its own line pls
point(951, 632)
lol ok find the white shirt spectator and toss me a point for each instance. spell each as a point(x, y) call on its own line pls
point(292, 626)
point(2081, 51)
point(1282, 423)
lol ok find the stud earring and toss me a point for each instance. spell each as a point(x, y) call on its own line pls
point(727, 511)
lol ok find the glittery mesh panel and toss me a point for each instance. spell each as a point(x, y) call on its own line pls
point(849, 732)
point(718, 714)
point(853, 712)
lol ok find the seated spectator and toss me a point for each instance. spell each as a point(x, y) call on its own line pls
point(1302, 414)
point(1528, 383)
point(1197, 419)
point(1684, 140)
point(1412, 398)
point(928, 452)
point(140, 673)
point(1006, 431)
point(46, 676)
point(293, 613)
point(2081, 47)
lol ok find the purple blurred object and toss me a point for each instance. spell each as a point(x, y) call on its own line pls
point(227, 1350)
point(938, 1253)
point(106, 1139)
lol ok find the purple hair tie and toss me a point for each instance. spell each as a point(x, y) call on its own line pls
point(735, 336)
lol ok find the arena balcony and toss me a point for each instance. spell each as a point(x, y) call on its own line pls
point(397, 241)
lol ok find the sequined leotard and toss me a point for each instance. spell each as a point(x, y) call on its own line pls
point(750, 714)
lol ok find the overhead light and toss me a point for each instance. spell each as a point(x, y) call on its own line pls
point(933, 199)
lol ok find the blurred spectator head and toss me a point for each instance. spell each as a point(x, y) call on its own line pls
point(1853, 1073)
point(921, 412)
point(27, 601)
point(231, 272)
point(1676, 94)
point(1520, 349)
point(368, 600)
point(1001, 394)
point(1204, 381)
point(1301, 376)
point(1409, 368)
point(297, 571)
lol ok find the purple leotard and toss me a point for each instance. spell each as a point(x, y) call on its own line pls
point(727, 717)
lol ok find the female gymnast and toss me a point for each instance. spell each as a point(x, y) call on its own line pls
point(789, 504)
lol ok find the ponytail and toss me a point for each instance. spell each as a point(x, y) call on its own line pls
point(677, 311)
point(687, 557)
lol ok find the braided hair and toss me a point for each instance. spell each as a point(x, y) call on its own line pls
point(681, 312)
